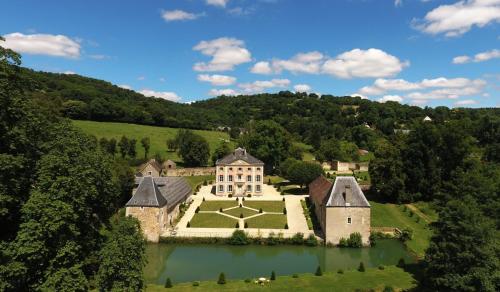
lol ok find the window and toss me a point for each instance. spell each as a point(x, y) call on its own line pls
point(249, 168)
point(149, 172)
point(221, 168)
point(239, 177)
point(230, 168)
point(221, 177)
point(249, 178)
point(229, 188)
point(257, 178)
point(249, 188)
point(257, 187)
point(240, 169)
point(348, 220)
point(258, 168)
point(230, 178)
point(221, 188)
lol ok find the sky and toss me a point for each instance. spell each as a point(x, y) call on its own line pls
point(418, 52)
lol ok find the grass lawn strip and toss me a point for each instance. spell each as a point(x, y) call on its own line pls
point(391, 215)
point(267, 221)
point(330, 281)
point(216, 205)
point(198, 179)
point(212, 220)
point(267, 206)
point(237, 211)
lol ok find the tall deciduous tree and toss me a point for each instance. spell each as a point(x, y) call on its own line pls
point(222, 150)
point(194, 150)
point(146, 144)
point(132, 150)
point(124, 146)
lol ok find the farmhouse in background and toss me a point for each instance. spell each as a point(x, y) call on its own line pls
point(155, 203)
point(341, 166)
point(239, 174)
point(151, 168)
point(341, 208)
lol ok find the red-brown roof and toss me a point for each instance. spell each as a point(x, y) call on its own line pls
point(319, 190)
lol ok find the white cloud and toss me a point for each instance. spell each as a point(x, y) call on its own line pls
point(381, 86)
point(219, 3)
point(125, 86)
point(386, 98)
point(301, 63)
point(226, 53)
point(178, 15)
point(43, 44)
point(458, 18)
point(168, 95)
point(260, 86)
point(98, 57)
point(217, 80)
point(302, 88)
point(69, 72)
point(370, 63)
point(226, 91)
point(362, 96)
point(480, 57)
point(261, 68)
point(398, 3)
point(141, 78)
point(162, 79)
point(465, 102)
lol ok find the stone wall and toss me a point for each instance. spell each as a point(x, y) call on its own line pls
point(153, 220)
point(337, 226)
point(193, 171)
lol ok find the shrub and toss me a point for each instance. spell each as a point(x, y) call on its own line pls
point(246, 225)
point(361, 267)
point(236, 199)
point(311, 240)
point(340, 271)
point(273, 276)
point(381, 267)
point(295, 276)
point(406, 234)
point(168, 283)
point(230, 195)
point(239, 237)
point(243, 199)
point(222, 279)
point(241, 206)
point(286, 225)
point(388, 289)
point(220, 210)
point(410, 214)
point(203, 199)
point(269, 182)
point(355, 240)
point(205, 183)
point(318, 272)
point(197, 209)
point(284, 210)
point(283, 199)
point(249, 195)
point(282, 193)
point(343, 242)
point(237, 225)
point(271, 239)
point(260, 210)
point(401, 263)
point(298, 238)
point(241, 215)
point(188, 224)
point(248, 280)
point(196, 283)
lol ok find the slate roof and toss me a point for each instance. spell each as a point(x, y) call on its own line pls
point(319, 189)
point(151, 162)
point(336, 198)
point(159, 191)
point(239, 154)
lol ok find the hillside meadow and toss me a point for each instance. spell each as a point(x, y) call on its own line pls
point(157, 135)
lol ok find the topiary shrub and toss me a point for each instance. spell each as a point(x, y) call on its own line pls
point(273, 276)
point(246, 225)
point(237, 225)
point(355, 240)
point(220, 210)
point(401, 263)
point(282, 193)
point(361, 267)
point(269, 182)
point(260, 210)
point(239, 237)
point(188, 224)
point(230, 195)
point(197, 209)
point(283, 199)
point(241, 215)
point(196, 283)
point(298, 238)
point(236, 199)
point(284, 210)
point(318, 271)
point(286, 225)
point(222, 279)
point(381, 267)
point(311, 240)
point(249, 195)
point(295, 276)
point(248, 280)
point(205, 183)
point(243, 199)
point(340, 271)
point(203, 199)
point(168, 283)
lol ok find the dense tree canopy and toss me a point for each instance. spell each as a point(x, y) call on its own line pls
point(193, 148)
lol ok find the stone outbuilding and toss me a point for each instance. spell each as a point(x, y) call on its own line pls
point(151, 168)
point(155, 203)
point(341, 208)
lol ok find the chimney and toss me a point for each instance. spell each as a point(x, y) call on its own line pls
point(348, 195)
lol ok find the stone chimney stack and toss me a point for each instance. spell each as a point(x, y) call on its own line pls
point(348, 194)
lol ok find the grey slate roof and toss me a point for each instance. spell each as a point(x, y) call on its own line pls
point(336, 198)
point(159, 191)
point(238, 154)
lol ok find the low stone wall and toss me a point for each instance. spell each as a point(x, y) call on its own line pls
point(193, 171)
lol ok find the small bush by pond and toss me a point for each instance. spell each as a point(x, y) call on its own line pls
point(239, 237)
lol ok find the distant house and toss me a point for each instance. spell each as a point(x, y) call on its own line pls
point(427, 119)
point(155, 203)
point(151, 168)
point(239, 174)
point(341, 208)
point(342, 166)
point(166, 166)
point(402, 131)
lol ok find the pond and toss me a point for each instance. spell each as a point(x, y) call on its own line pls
point(198, 262)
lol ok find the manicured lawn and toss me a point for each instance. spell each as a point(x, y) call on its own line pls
point(267, 206)
point(274, 179)
point(212, 220)
point(157, 135)
point(198, 180)
point(391, 215)
point(267, 221)
point(237, 211)
point(216, 205)
point(427, 209)
point(307, 213)
point(330, 281)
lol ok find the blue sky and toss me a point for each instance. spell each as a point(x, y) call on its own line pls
point(422, 52)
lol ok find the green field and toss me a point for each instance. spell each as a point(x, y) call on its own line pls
point(157, 135)
point(330, 281)
point(391, 215)
point(267, 206)
point(237, 211)
point(199, 179)
point(212, 220)
point(216, 205)
point(267, 221)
